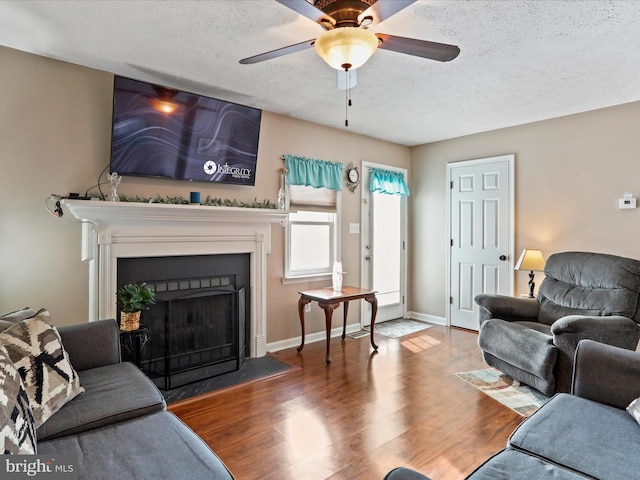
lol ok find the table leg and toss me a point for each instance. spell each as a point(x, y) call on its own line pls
point(328, 313)
point(374, 310)
point(301, 303)
point(345, 306)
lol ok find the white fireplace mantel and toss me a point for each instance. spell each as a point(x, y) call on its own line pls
point(113, 230)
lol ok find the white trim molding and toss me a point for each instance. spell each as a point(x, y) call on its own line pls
point(311, 338)
point(115, 230)
point(423, 317)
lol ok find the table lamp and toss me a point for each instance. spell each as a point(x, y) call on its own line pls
point(531, 260)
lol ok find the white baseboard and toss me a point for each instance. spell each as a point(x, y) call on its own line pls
point(310, 338)
point(423, 317)
point(337, 332)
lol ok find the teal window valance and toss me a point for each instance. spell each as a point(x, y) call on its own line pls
point(313, 173)
point(388, 182)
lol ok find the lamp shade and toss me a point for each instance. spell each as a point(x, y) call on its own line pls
point(345, 48)
point(531, 260)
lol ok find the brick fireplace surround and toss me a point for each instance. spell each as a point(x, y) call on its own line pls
point(113, 230)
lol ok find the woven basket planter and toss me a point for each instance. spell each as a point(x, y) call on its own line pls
point(129, 321)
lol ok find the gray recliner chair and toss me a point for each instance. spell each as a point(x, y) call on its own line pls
point(583, 296)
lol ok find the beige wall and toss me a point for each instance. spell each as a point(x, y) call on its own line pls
point(52, 140)
point(569, 173)
point(281, 135)
point(55, 126)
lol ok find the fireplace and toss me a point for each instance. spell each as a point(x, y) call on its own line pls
point(199, 324)
point(114, 231)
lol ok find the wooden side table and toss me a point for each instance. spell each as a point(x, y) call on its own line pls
point(328, 300)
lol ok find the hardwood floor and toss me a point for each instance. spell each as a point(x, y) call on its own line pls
point(360, 416)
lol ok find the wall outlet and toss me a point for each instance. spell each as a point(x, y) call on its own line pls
point(307, 307)
point(627, 203)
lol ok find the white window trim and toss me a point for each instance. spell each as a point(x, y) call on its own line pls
point(322, 277)
point(290, 277)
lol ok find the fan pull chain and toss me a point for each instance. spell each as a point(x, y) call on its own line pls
point(347, 94)
point(349, 85)
point(346, 99)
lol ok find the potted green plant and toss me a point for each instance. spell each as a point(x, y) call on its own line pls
point(132, 298)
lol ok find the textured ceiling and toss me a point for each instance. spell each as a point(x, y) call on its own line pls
point(520, 61)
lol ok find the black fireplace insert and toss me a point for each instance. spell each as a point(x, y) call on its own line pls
point(199, 326)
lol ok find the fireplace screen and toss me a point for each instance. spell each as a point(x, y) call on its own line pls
point(198, 326)
point(194, 335)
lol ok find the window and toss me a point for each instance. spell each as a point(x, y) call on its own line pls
point(312, 232)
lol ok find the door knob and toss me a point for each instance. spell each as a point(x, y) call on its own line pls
point(502, 258)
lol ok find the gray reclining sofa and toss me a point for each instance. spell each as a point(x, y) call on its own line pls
point(586, 434)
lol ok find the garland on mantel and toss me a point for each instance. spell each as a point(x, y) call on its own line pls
point(208, 202)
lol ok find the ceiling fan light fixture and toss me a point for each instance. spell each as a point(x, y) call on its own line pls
point(345, 48)
point(163, 102)
point(164, 106)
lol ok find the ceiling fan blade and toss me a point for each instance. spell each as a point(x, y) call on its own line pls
point(418, 48)
point(305, 9)
point(383, 9)
point(279, 52)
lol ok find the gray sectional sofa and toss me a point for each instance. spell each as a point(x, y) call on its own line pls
point(119, 427)
point(585, 434)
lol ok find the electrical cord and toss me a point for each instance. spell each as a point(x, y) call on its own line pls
point(99, 184)
point(76, 196)
point(58, 212)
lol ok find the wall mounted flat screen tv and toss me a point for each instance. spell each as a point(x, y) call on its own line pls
point(162, 132)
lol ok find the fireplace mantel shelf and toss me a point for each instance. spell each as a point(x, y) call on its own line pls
point(99, 212)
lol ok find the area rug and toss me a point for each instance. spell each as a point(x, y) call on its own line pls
point(520, 398)
point(398, 328)
point(251, 370)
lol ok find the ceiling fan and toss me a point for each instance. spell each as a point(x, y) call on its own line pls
point(346, 43)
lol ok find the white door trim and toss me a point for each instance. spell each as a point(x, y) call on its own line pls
point(510, 158)
point(364, 235)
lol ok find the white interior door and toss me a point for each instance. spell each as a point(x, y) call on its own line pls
point(481, 228)
point(383, 250)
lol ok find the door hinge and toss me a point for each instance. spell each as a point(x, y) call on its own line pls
point(403, 299)
point(451, 300)
point(452, 242)
point(451, 185)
